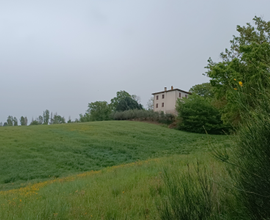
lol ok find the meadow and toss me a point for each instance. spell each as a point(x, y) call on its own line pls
point(37, 153)
point(99, 170)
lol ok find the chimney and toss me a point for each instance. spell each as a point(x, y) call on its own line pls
point(171, 87)
point(165, 89)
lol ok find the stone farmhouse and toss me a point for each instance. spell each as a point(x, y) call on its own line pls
point(166, 100)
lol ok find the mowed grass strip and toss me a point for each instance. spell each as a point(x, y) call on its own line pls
point(36, 153)
point(130, 191)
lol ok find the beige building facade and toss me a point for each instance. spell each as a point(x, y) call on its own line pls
point(166, 100)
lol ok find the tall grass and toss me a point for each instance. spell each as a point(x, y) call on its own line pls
point(244, 192)
point(196, 193)
point(249, 162)
point(190, 195)
point(128, 191)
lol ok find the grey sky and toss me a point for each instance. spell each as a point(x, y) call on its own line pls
point(62, 55)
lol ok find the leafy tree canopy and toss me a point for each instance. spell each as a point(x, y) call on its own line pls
point(119, 96)
point(128, 103)
point(23, 121)
point(10, 121)
point(98, 111)
point(245, 67)
point(205, 90)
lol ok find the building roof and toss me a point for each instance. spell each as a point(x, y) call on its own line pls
point(170, 90)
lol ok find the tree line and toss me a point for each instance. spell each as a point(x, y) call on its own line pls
point(45, 119)
point(97, 111)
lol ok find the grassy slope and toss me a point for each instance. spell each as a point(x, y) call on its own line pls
point(131, 191)
point(42, 152)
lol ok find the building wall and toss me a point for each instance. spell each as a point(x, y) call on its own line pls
point(167, 100)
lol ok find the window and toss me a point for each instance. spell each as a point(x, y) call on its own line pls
point(186, 96)
point(157, 97)
point(163, 96)
point(162, 104)
point(156, 105)
point(179, 94)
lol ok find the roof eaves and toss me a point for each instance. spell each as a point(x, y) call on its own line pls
point(171, 90)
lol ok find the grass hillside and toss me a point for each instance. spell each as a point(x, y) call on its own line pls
point(37, 153)
point(131, 191)
point(106, 170)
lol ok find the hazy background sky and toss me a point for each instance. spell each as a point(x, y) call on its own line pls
point(62, 55)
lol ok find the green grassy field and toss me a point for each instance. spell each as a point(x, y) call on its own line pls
point(96, 170)
point(36, 153)
point(130, 191)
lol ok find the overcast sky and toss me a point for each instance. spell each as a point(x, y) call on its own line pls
point(62, 55)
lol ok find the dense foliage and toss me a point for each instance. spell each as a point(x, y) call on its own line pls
point(101, 110)
point(205, 90)
point(197, 114)
point(144, 115)
point(128, 103)
point(245, 66)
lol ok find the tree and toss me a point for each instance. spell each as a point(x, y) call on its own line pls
point(205, 90)
point(119, 96)
point(34, 122)
point(23, 121)
point(128, 103)
point(98, 111)
point(15, 121)
point(197, 114)
point(10, 121)
point(85, 117)
point(40, 120)
point(244, 71)
point(57, 119)
point(46, 117)
point(150, 104)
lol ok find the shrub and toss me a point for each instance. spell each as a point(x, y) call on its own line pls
point(197, 114)
point(144, 115)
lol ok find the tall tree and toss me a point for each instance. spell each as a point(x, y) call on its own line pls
point(244, 70)
point(99, 111)
point(150, 103)
point(57, 119)
point(128, 103)
point(23, 121)
point(40, 120)
point(15, 121)
point(205, 90)
point(46, 117)
point(10, 121)
point(119, 96)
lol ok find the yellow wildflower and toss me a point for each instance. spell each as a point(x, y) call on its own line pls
point(235, 88)
point(240, 83)
point(234, 79)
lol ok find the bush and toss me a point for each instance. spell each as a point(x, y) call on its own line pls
point(144, 115)
point(197, 114)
